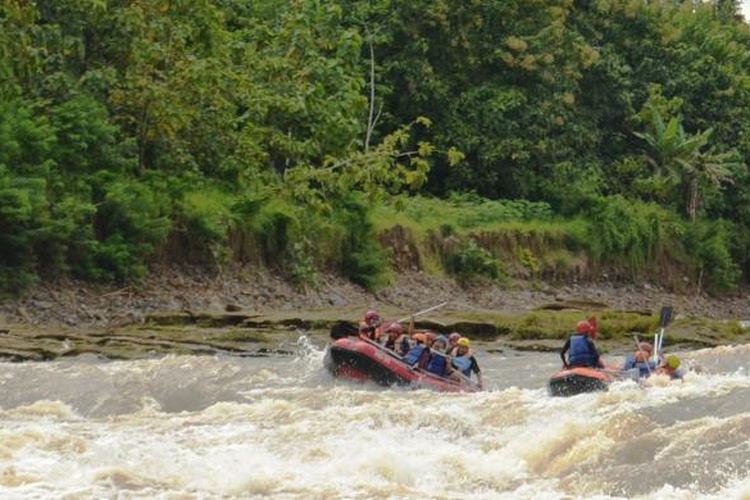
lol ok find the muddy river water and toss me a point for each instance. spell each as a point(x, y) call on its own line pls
point(224, 426)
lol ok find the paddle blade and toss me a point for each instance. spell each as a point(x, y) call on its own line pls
point(343, 329)
point(666, 316)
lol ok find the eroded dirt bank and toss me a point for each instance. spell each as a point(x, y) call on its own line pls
point(250, 313)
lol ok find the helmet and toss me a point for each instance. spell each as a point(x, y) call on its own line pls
point(372, 317)
point(430, 336)
point(584, 326)
point(673, 361)
point(645, 347)
point(463, 341)
point(420, 337)
point(395, 327)
point(441, 338)
point(454, 336)
point(641, 356)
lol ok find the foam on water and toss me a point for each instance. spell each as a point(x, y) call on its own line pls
point(209, 426)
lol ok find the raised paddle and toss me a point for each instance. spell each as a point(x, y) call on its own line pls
point(420, 313)
point(665, 317)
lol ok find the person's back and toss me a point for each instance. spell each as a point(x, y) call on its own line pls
point(582, 351)
point(580, 347)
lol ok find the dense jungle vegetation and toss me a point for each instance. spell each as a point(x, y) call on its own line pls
point(545, 139)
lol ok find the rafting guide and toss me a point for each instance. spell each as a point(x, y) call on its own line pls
point(583, 352)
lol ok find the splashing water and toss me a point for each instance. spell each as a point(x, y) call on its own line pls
point(212, 426)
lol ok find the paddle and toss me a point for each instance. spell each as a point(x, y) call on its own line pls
point(665, 317)
point(420, 313)
point(342, 329)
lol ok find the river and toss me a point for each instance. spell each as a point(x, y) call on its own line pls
point(208, 426)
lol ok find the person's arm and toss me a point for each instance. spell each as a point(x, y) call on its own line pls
point(564, 350)
point(597, 357)
point(475, 368)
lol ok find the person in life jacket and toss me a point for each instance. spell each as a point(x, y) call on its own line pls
point(641, 359)
point(418, 352)
point(439, 361)
point(403, 344)
point(580, 346)
point(429, 339)
point(671, 366)
point(370, 326)
point(464, 361)
point(390, 334)
point(452, 342)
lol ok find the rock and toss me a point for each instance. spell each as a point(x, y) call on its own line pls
point(232, 308)
point(23, 313)
point(336, 300)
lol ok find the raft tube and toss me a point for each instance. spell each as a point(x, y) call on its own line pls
point(356, 359)
point(578, 380)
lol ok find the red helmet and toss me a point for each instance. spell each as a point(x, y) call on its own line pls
point(372, 317)
point(584, 326)
point(645, 347)
point(430, 337)
point(453, 337)
point(395, 328)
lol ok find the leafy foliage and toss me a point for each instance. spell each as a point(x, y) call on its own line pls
point(133, 133)
point(471, 263)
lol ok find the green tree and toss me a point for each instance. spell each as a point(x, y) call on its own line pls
point(679, 155)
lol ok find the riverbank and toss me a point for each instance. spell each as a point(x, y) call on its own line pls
point(80, 304)
point(249, 313)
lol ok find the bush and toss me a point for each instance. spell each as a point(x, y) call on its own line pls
point(625, 231)
point(21, 216)
point(473, 263)
point(128, 225)
point(205, 216)
point(362, 258)
point(709, 243)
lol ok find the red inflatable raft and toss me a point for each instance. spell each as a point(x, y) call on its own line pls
point(363, 360)
point(570, 382)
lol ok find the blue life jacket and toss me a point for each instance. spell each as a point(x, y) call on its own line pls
point(629, 362)
point(437, 364)
point(645, 369)
point(404, 348)
point(463, 364)
point(414, 354)
point(581, 353)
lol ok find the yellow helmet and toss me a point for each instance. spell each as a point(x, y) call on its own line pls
point(673, 361)
point(463, 341)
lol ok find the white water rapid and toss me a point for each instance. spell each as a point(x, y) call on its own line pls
point(205, 427)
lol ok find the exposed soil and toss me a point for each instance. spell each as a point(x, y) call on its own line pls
point(78, 304)
point(251, 313)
